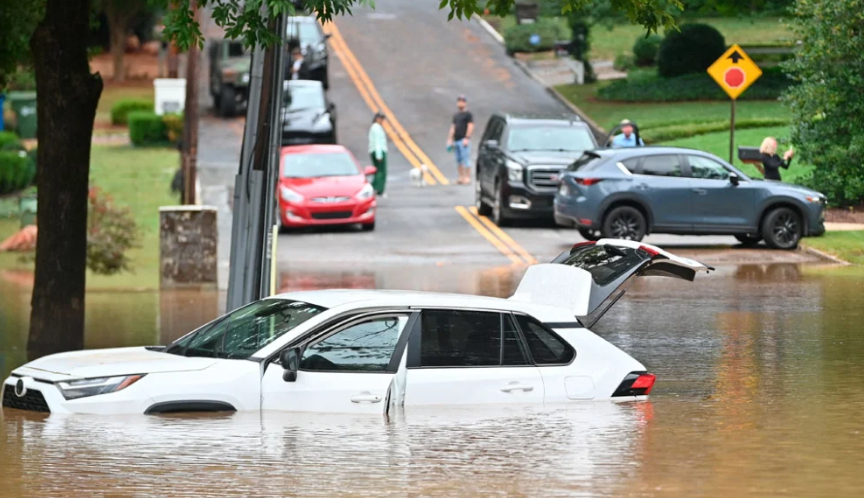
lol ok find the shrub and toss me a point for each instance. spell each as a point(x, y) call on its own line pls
point(111, 232)
point(517, 38)
point(690, 50)
point(146, 128)
point(624, 62)
point(173, 126)
point(687, 130)
point(10, 141)
point(121, 110)
point(645, 49)
point(690, 87)
point(14, 171)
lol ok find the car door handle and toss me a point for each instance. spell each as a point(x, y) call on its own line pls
point(642, 186)
point(366, 398)
point(700, 191)
point(517, 387)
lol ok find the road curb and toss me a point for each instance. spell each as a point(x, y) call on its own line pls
point(598, 131)
point(824, 255)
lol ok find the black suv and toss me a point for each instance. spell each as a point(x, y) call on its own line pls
point(520, 160)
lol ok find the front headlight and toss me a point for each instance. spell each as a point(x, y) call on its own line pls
point(289, 195)
point(83, 388)
point(365, 192)
point(245, 78)
point(514, 171)
point(814, 199)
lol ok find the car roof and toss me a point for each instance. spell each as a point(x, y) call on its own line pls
point(533, 118)
point(362, 298)
point(314, 149)
point(650, 150)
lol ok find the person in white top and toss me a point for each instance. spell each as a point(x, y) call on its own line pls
point(378, 152)
point(298, 67)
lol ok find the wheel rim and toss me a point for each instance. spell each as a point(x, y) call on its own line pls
point(786, 229)
point(625, 226)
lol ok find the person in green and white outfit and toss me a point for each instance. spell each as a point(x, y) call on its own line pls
point(378, 153)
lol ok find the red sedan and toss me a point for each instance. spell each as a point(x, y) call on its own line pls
point(324, 185)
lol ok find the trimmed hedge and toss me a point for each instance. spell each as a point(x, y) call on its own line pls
point(687, 130)
point(690, 87)
point(147, 128)
point(517, 38)
point(690, 50)
point(16, 171)
point(10, 141)
point(173, 126)
point(120, 111)
point(645, 49)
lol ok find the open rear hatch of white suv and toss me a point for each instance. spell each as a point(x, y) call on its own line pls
point(589, 278)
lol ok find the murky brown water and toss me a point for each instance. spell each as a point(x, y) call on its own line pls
point(759, 393)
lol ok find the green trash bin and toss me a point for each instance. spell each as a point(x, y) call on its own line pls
point(27, 209)
point(24, 106)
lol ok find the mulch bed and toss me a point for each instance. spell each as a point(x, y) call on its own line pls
point(848, 215)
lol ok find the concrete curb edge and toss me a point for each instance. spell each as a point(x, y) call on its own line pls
point(823, 255)
point(599, 132)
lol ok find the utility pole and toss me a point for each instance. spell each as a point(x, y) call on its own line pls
point(189, 156)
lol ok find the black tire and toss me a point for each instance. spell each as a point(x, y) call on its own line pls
point(625, 222)
point(228, 102)
point(748, 240)
point(589, 234)
point(498, 216)
point(325, 82)
point(368, 227)
point(782, 228)
point(483, 209)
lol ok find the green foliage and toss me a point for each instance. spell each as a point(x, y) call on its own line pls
point(15, 171)
point(679, 131)
point(690, 87)
point(517, 38)
point(23, 79)
point(120, 110)
point(173, 126)
point(146, 128)
point(690, 50)
point(645, 49)
point(826, 101)
point(111, 233)
point(18, 19)
point(10, 141)
point(624, 62)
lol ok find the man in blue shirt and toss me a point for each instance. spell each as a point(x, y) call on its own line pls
point(626, 138)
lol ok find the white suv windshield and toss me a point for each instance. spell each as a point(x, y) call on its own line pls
point(241, 333)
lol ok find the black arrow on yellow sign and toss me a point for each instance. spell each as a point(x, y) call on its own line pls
point(735, 56)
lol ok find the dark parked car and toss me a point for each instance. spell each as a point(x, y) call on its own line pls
point(306, 33)
point(229, 75)
point(519, 161)
point(629, 193)
point(307, 117)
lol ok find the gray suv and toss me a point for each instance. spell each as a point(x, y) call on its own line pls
point(629, 193)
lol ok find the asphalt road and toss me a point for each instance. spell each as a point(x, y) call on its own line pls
point(405, 58)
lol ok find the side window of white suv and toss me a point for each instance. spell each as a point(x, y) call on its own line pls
point(363, 347)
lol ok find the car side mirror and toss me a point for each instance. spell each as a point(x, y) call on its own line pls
point(290, 360)
point(331, 107)
point(734, 180)
point(491, 144)
point(370, 170)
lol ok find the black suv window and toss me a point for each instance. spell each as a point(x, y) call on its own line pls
point(546, 347)
point(664, 165)
point(493, 130)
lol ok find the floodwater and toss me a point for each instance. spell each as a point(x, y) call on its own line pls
point(759, 393)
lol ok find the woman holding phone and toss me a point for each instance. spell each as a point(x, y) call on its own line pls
point(771, 162)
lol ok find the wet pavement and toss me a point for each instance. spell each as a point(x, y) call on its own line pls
point(758, 394)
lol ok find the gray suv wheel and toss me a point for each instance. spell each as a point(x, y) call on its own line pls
point(625, 222)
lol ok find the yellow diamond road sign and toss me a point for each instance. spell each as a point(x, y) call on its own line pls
point(734, 71)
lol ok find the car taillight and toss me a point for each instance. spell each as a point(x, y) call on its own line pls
point(587, 181)
point(651, 252)
point(636, 384)
point(581, 244)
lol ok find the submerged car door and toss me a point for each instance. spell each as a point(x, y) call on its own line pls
point(466, 357)
point(346, 368)
point(661, 182)
point(592, 276)
point(717, 204)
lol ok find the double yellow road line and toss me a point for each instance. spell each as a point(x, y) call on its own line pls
point(373, 99)
point(497, 237)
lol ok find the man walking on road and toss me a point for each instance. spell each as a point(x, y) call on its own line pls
point(459, 139)
point(378, 153)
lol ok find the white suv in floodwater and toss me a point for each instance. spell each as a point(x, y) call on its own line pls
point(350, 351)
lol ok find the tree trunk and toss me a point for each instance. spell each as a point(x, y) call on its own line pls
point(67, 95)
point(119, 14)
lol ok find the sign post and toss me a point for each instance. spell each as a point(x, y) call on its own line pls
point(734, 71)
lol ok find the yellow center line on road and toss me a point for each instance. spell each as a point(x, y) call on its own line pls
point(488, 235)
point(393, 127)
point(531, 260)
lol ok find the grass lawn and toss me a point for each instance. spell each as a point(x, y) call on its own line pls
point(111, 94)
point(136, 177)
point(652, 115)
point(848, 246)
point(606, 43)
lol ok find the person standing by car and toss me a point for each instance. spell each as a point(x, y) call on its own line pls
point(627, 138)
point(378, 153)
point(459, 139)
point(299, 68)
point(771, 162)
